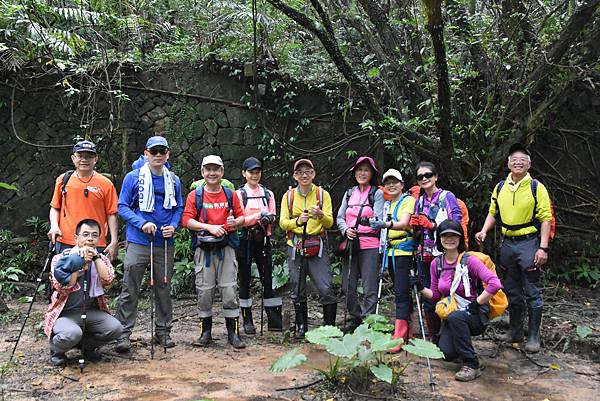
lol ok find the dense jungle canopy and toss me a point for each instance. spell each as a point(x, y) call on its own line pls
point(453, 81)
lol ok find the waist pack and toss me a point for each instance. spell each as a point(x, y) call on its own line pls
point(208, 242)
point(310, 247)
point(345, 247)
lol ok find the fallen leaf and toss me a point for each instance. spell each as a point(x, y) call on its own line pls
point(36, 382)
point(554, 366)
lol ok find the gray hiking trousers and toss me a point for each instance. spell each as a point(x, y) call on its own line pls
point(137, 261)
point(100, 328)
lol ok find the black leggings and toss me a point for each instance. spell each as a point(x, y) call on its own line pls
point(399, 269)
point(251, 250)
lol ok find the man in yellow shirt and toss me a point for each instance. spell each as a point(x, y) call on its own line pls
point(305, 214)
point(521, 205)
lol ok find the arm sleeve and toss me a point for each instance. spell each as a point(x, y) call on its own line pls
point(327, 220)
point(126, 197)
point(111, 200)
point(66, 266)
point(378, 205)
point(492, 210)
point(544, 210)
point(272, 207)
point(56, 196)
point(179, 208)
point(189, 212)
point(479, 270)
point(286, 222)
point(111, 272)
point(238, 210)
point(434, 280)
point(341, 215)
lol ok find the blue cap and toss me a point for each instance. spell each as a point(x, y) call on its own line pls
point(251, 163)
point(84, 146)
point(156, 141)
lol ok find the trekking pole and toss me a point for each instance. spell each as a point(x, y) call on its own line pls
point(349, 246)
point(418, 301)
point(300, 265)
point(166, 282)
point(384, 261)
point(266, 244)
point(45, 267)
point(86, 270)
point(152, 298)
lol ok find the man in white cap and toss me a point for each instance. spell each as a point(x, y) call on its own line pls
point(151, 204)
point(214, 214)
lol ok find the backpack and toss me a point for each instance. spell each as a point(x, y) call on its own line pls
point(266, 196)
point(63, 189)
point(370, 196)
point(290, 198)
point(199, 209)
point(499, 302)
point(533, 222)
point(464, 222)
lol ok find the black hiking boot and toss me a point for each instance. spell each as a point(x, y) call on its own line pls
point(329, 313)
point(274, 322)
point(57, 359)
point(205, 335)
point(350, 325)
point(164, 340)
point(515, 330)
point(533, 330)
point(123, 345)
point(233, 333)
point(301, 319)
point(248, 323)
point(91, 354)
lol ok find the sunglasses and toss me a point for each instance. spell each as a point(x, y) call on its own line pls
point(428, 174)
point(158, 149)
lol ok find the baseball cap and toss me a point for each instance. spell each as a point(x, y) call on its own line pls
point(392, 173)
point(365, 159)
point(84, 146)
point(251, 163)
point(157, 141)
point(518, 147)
point(212, 159)
point(303, 161)
point(449, 227)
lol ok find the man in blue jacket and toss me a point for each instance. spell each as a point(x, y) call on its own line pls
point(151, 204)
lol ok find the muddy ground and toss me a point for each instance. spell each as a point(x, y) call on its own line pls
point(567, 369)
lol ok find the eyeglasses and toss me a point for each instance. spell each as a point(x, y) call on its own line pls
point(85, 156)
point(158, 149)
point(428, 175)
point(518, 159)
point(86, 234)
point(304, 173)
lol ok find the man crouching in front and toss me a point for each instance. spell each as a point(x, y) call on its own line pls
point(78, 312)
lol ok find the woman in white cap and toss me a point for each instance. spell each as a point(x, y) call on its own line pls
point(362, 202)
point(400, 249)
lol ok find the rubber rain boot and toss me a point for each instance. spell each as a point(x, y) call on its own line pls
point(400, 331)
point(205, 332)
point(515, 329)
point(274, 322)
point(248, 323)
point(329, 314)
point(300, 322)
point(533, 330)
point(233, 333)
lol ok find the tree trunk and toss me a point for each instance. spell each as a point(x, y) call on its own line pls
point(435, 26)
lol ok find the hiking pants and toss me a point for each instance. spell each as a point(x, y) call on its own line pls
point(319, 271)
point(455, 337)
point(259, 252)
point(137, 261)
point(399, 267)
point(220, 269)
point(366, 265)
point(521, 277)
point(425, 274)
point(100, 328)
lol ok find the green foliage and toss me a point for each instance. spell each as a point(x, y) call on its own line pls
point(183, 269)
point(366, 348)
point(6, 186)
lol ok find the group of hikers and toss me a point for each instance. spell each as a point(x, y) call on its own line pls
point(416, 234)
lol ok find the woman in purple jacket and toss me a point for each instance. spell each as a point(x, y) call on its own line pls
point(433, 206)
point(460, 277)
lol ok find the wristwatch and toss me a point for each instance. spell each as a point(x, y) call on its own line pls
point(543, 249)
point(96, 257)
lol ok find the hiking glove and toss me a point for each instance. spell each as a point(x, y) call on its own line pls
point(425, 222)
point(376, 224)
point(473, 308)
point(415, 281)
